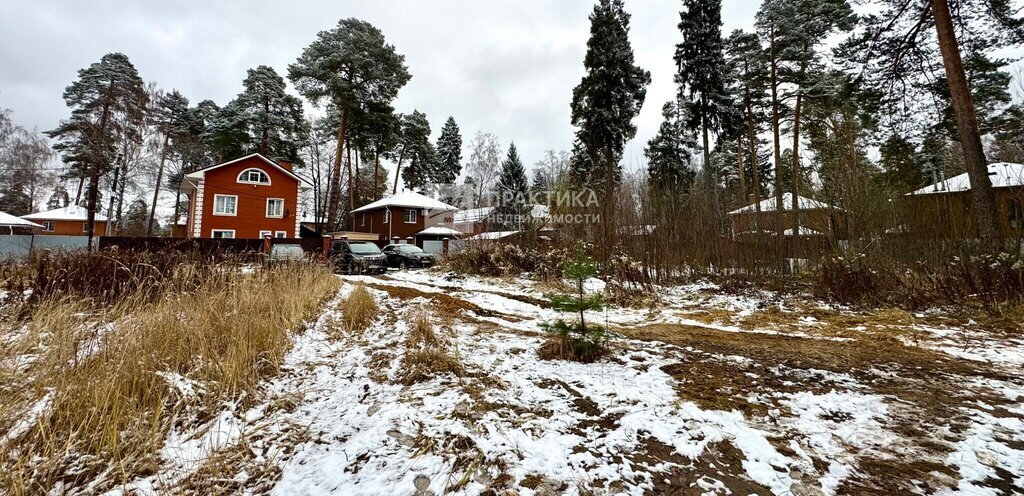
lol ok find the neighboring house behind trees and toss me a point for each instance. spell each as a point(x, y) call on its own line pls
point(67, 221)
point(943, 209)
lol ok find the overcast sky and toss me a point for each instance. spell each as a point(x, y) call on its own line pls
point(506, 67)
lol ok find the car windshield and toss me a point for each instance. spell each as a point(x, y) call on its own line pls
point(409, 249)
point(286, 250)
point(364, 248)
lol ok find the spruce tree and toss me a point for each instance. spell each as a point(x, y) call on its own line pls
point(701, 69)
point(607, 99)
point(108, 99)
point(348, 66)
point(575, 339)
point(449, 153)
point(512, 189)
point(668, 153)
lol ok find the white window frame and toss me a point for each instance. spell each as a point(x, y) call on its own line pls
point(213, 233)
point(281, 216)
point(281, 234)
point(264, 234)
point(362, 219)
point(387, 216)
point(249, 181)
point(49, 226)
point(85, 227)
point(414, 212)
point(232, 214)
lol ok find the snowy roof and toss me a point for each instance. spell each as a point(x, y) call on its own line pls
point(410, 199)
point(472, 214)
point(1002, 174)
point(537, 211)
point(70, 212)
point(492, 235)
point(768, 204)
point(439, 231)
point(8, 220)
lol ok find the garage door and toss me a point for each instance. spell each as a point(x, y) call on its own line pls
point(433, 246)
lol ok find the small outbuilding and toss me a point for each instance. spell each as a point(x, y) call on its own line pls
point(71, 220)
point(943, 209)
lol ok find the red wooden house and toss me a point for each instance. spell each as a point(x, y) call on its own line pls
point(249, 197)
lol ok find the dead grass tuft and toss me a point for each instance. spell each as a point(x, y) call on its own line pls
point(427, 353)
point(359, 309)
point(115, 377)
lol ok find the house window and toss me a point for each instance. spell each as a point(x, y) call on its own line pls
point(1015, 214)
point(281, 234)
point(48, 226)
point(223, 233)
point(275, 207)
point(387, 216)
point(253, 176)
point(225, 205)
point(410, 216)
point(264, 234)
point(85, 227)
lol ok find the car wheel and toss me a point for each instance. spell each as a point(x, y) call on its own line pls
point(403, 265)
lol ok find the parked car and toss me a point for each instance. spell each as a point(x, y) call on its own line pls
point(406, 256)
point(357, 257)
point(286, 254)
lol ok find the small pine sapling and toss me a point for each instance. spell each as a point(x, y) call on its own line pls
point(576, 339)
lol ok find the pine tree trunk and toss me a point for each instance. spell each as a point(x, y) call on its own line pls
point(754, 175)
point(78, 195)
point(355, 177)
point(983, 198)
point(775, 135)
point(376, 174)
point(334, 195)
point(398, 170)
point(159, 178)
point(742, 171)
point(794, 180)
point(110, 207)
point(94, 175)
point(348, 167)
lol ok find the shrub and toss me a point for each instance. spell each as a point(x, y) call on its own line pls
point(505, 259)
point(628, 283)
point(359, 309)
point(576, 340)
point(427, 354)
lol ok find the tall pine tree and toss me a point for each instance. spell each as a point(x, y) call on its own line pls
point(701, 69)
point(272, 119)
point(349, 66)
point(108, 99)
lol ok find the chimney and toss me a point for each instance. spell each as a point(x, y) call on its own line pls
point(286, 165)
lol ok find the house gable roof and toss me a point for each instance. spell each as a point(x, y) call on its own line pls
point(70, 212)
point(408, 199)
point(768, 205)
point(1002, 174)
point(8, 220)
point(199, 174)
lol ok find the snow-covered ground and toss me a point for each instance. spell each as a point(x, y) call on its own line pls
point(699, 397)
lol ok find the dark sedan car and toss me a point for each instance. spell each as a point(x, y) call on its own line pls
point(357, 257)
point(406, 256)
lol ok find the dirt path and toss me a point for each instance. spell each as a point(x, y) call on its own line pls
point(682, 407)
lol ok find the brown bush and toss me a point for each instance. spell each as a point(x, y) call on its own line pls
point(498, 259)
point(427, 354)
point(359, 309)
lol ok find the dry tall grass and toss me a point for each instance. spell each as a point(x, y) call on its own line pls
point(105, 372)
point(427, 353)
point(359, 309)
